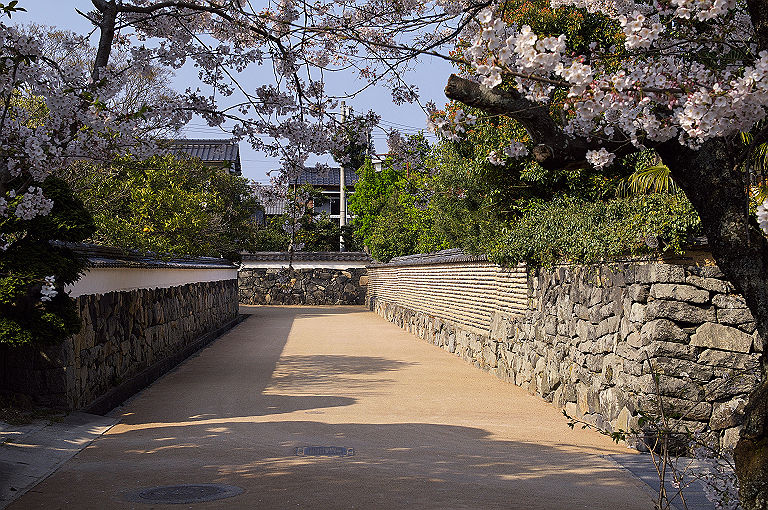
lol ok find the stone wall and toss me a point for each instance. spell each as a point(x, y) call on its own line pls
point(319, 286)
point(128, 338)
point(592, 338)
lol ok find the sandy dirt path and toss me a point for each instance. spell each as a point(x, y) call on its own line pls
point(427, 430)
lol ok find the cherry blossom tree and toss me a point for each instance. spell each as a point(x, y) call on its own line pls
point(687, 80)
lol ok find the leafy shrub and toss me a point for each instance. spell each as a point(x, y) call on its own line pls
point(30, 257)
point(393, 215)
point(567, 229)
point(167, 205)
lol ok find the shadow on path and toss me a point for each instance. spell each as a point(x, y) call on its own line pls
point(428, 432)
point(406, 465)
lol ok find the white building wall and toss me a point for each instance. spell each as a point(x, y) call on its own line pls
point(111, 279)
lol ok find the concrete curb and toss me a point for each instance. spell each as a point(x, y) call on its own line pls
point(641, 467)
point(31, 453)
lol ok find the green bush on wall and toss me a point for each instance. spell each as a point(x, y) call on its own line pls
point(567, 229)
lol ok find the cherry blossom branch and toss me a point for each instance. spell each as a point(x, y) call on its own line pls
point(553, 149)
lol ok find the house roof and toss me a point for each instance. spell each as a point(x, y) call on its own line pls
point(330, 177)
point(106, 257)
point(273, 204)
point(449, 256)
point(299, 256)
point(210, 150)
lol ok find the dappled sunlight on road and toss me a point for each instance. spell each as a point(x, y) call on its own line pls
point(427, 430)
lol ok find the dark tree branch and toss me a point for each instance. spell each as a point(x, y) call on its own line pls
point(106, 24)
point(553, 146)
point(758, 11)
point(554, 150)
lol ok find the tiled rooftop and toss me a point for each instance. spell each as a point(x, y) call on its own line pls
point(210, 151)
point(330, 178)
point(449, 256)
point(299, 256)
point(106, 256)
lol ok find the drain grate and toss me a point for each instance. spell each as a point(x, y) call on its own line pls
point(328, 451)
point(184, 494)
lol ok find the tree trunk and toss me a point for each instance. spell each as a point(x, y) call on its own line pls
point(718, 192)
point(107, 24)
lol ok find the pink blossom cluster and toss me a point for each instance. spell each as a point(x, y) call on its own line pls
point(762, 216)
point(654, 88)
point(48, 290)
point(495, 159)
point(33, 204)
point(52, 113)
point(516, 150)
point(453, 127)
point(600, 158)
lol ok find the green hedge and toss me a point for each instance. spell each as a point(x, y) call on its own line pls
point(567, 229)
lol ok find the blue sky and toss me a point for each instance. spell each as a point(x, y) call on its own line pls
point(430, 79)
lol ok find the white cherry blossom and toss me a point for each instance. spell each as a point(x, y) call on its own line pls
point(600, 159)
point(516, 150)
point(495, 159)
point(48, 290)
point(762, 216)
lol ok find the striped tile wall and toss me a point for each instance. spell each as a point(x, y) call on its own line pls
point(466, 293)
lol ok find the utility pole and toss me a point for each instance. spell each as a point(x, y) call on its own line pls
point(342, 181)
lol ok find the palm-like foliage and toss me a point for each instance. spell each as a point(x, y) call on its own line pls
point(650, 176)
point(653, 176)
point(651, 179)
point(756, 166)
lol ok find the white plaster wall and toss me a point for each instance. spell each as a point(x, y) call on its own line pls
point(103, 280)
point(309, 264)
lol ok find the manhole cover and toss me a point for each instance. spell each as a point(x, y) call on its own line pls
point(333, 451)
point(182, 494)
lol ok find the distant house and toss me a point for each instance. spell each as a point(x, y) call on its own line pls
point(273, 205)
point(326, 181)
point(214, 153)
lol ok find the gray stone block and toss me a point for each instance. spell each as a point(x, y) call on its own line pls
point(730, 438)
point(676, 407)
point(710, 284)
point(638, 312)
point(679, 292)
point(639, 292)
point(678, 311)
point(660, 273)
point(730, 385)
point(711, 272)
point(685, 369)
point(662, 330)
point(717, 336)
point(667, 350)
point(728, 414)
point(734, 316)
point(728, 359)
point(729, 301)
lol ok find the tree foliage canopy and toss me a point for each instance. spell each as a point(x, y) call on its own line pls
point(394, 215)
point(167, 205)
point(33, 304)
